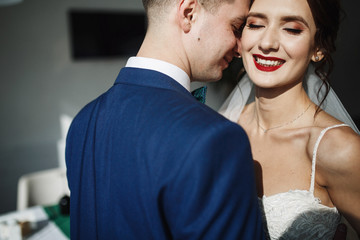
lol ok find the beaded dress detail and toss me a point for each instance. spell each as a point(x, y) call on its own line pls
point(298, 214)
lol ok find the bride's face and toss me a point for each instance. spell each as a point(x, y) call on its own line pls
point(278, 42)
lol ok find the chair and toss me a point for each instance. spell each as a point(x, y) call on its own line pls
point(42, 188)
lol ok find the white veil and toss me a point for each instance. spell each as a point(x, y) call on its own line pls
point(243, 94)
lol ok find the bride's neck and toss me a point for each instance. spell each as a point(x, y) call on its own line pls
point(274, 109)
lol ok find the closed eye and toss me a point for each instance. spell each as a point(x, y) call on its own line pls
point(293, 31)
point(254, 26)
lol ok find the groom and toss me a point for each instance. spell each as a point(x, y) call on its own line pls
point(145, 160)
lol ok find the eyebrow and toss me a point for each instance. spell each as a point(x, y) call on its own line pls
point(290, 18)
point(295, 18)
point(257, 15)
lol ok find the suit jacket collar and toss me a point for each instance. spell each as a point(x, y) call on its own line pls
point(166, 68)
point(149, 78)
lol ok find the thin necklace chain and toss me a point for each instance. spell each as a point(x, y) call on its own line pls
point(282, 125)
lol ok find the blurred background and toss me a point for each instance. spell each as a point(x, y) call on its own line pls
point(54, 60)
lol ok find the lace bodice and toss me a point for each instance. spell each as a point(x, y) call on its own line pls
point(298, 214)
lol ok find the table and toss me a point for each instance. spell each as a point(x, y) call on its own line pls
point(45, 223)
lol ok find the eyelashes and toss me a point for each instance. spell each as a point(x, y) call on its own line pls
point(292, 31)
point(253, 26)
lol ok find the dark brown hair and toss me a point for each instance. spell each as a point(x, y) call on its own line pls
point(327, 16)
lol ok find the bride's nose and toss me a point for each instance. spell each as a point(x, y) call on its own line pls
point(269, 40)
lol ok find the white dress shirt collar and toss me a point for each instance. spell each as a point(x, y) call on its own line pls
point(164, 67)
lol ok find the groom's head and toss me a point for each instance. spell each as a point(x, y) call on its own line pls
point(161, 4)
point(199, 36)
point(156, 8)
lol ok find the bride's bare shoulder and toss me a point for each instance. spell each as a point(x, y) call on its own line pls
point(339, 148)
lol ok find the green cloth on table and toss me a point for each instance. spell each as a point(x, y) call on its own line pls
point(62, 221)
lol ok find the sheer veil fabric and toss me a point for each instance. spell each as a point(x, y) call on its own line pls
point(244, 94)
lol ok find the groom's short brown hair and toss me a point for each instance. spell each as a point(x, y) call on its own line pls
point(210, 5)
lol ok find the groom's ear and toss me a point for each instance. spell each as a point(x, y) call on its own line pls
point(187, 14)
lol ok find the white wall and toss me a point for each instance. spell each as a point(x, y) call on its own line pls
point(40, 82)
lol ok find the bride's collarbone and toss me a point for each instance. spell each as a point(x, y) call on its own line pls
point(281, 145)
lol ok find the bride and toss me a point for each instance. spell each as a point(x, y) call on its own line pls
point(305, 146)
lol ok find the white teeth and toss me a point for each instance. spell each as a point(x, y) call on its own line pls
point(268, 63)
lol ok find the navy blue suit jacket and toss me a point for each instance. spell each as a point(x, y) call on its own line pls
point(145, 160)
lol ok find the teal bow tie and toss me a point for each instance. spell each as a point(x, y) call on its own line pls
point(200, 94)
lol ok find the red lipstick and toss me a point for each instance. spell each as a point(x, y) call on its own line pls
point(262, 63)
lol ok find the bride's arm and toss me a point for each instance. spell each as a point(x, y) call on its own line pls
point(339, 164)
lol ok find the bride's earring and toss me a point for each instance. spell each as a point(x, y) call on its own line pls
point(318, 56)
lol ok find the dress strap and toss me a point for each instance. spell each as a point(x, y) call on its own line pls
point(322, 133)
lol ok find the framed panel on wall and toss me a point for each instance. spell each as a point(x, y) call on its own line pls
point(98, 34)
